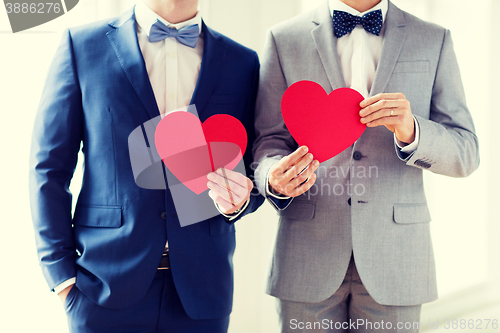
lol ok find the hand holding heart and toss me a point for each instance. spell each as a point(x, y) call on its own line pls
point(228, 189)
point(392, 111)
point(192, 150)
point(332, 119)
point(294, 174)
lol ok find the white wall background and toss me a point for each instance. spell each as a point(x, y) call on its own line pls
point(465, 225)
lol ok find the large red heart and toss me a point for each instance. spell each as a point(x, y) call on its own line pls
point(326, 124)
point(191, 150)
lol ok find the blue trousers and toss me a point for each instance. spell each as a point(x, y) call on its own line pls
point(160, 311)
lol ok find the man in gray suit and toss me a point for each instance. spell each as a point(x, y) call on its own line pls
point(360, 259)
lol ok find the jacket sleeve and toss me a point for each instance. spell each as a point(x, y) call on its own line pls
point(256, 199)
point(56, 142)
point(273, 140)
point(448, 144)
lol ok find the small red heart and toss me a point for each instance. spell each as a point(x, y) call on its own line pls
point(191, 150)
point(326, 124)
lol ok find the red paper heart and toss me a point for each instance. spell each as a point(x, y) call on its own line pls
point(327, 124)
point(191, 150)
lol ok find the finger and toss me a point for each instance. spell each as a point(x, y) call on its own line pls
point(249, 185)
point(304, 187)
point(277, 188)
point(234, 176)
point(385, 121)
point(224, 193)
point(378, 97)
point(225, 206)
point(391, 112)
point(287, 161)
point(305, 175)
point(296, 169)
point(380, 105)
point(240, 188)
point(224, 182)
point(244, 192)
point(244, 185)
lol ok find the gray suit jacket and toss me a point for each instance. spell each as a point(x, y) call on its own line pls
point(368, 200)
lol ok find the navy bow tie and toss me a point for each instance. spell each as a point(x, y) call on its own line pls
point(188, 35)
point(345, 22)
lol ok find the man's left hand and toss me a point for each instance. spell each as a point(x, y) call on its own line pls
point(391, 110)
point(228, 189)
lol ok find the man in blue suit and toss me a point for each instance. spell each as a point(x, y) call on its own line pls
point(109, 261)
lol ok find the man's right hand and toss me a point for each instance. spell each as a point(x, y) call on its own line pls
point(64, 293)
point(286, 176)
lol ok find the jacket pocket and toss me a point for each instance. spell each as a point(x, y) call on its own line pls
point(421, 66)
point(299, 210)
point(411, 213)
point(98, 216)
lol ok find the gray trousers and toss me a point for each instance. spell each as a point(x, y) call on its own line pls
point(350, 309)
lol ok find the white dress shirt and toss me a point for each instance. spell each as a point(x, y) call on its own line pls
point(173, 69)
point(359, 51)
point(359, 54)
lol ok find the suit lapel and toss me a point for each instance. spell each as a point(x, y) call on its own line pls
point(123, 38)
point(214, 55)
point(394, 37)
point(326, 44)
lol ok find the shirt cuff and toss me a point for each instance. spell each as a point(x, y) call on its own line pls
point(409, 149)
point(233, 216)
point(280, 201)
point(64, 285)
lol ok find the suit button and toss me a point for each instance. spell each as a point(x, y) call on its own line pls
point(164, 215)
point(357, 155)
point(349, 201)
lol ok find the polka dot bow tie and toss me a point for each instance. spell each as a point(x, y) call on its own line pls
point(345, 22)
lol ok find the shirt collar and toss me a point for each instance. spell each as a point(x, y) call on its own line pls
point(146, 17)
point(339, 5)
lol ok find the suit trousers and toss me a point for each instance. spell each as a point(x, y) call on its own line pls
point(350, 309)
point(160, 311)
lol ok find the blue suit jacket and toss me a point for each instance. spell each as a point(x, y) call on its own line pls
point(97, 93)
